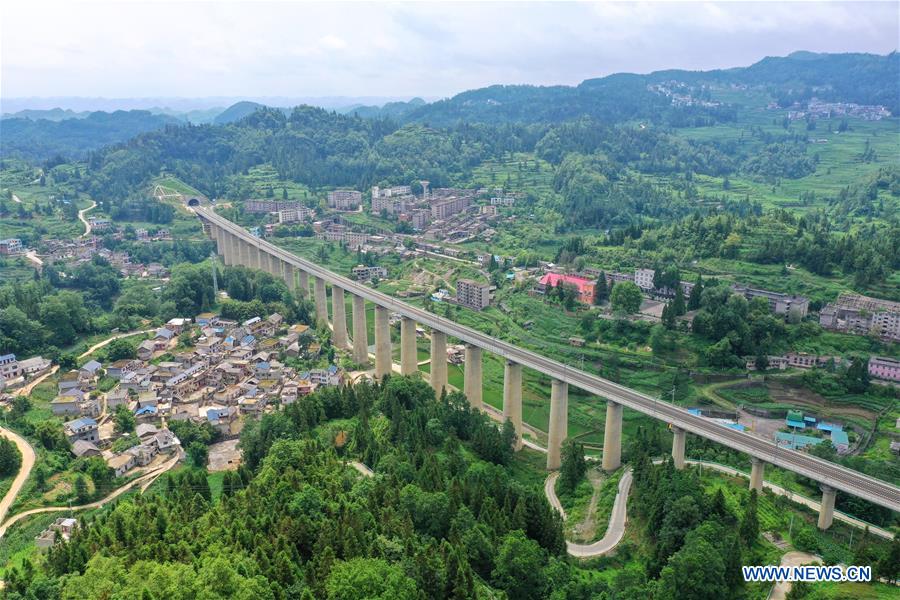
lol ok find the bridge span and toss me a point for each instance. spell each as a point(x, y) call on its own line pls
point(238, 246)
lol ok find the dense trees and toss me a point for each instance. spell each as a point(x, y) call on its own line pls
point(10, 458)
point(626, 298)
point(434, 522)
point(573, 465)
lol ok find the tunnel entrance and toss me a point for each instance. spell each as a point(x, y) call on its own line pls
point(193, 202)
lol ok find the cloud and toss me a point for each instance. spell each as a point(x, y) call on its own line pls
point(148, 48)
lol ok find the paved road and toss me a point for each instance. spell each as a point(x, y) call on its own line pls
point(617, 518)
point(152, 474)
point(25, 390)
point(32, 256)
point(836, 476)
point(24, 469)
point(798, 498)
point(792, 559)
point(81, 213)
point(108, 340)
point(363, 469)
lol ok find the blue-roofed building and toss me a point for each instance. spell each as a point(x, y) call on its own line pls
point(795, 424)
point(85, 429)
point(794, 441)
point(810, 421)
point(9, 366)
point(832, 427)
point(248, 341)
point(840, 441)
point(695, 411)
point(146, 414)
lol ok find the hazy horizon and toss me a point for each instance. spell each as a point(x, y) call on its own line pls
point(125, 50)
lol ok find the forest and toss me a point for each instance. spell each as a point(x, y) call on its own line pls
point(442, 517)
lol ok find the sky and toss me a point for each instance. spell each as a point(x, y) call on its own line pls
point(133, 49)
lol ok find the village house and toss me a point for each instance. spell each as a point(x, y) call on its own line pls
point(127, 365)
point(65, 405)
point(82, 429)
point(90, 369)
point(222, 418)
point(121, 463)
point(34, 366)
point(60, 530)
point(146, 349)
point(143, 454)
point(82, 448)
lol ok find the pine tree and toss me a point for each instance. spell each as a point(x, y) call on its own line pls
point(668, 316)
point(601, 290)
point(678, 304)
point(573, 466)
point(696, 292)
point(750, 522)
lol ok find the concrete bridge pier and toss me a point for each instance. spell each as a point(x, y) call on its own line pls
point(256, 255)
point(472, 385)
point(612, 437)
point(303, 276)
point(231, 249)
point(382, 342)
point(826, 512)
point(244, 250)
point(339, 317)
point(321, 300)
point(274, 266)
point(409, 356)
point(757, 468)
point(512, 398)
point(678, 447)
point(559, 423)
point(289, 279)
point(438, 361)
point(360, 331)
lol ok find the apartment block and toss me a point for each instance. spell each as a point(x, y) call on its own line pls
point(862, 315)
point(294, 215)
point(364, 273)
point(473, 294)
point(267, 206)
point(445, 209)
point(644, 278)
point(392, 205)
point(344, 199)
point(390, 192)
point(882, 367)
point(780, 304)
point(11, 246)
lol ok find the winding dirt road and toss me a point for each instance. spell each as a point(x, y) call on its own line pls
point(118, 336)
point(28, 457)
point(87, 226)
point(617, 518)
point(150, 475)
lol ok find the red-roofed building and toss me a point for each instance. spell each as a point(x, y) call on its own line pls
point(584, 286)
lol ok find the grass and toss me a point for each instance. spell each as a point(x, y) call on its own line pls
point(18, 542)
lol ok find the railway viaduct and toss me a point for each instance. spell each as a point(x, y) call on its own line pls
point(237, 246)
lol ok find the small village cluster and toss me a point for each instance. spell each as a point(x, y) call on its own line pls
point(229, 369)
